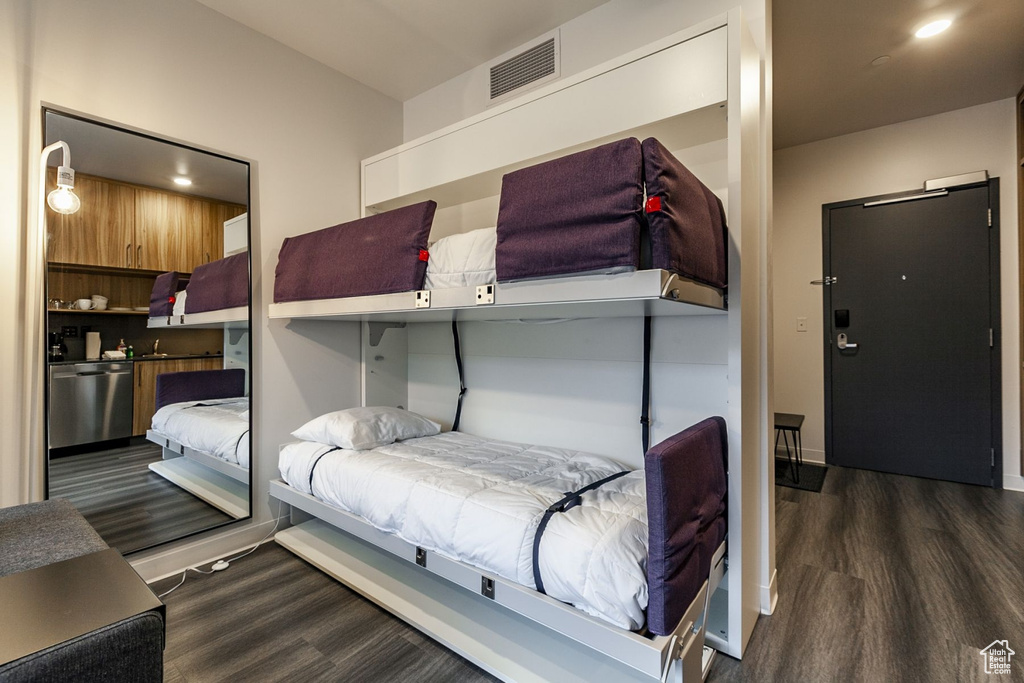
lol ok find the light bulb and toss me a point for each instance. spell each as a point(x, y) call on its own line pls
point(933, 29)
point(63, 200)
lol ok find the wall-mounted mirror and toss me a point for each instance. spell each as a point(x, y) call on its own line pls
point(148, 344)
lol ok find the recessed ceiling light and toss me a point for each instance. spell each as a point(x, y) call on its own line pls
point(933, 29)
point(182, 181)
point(879, 61)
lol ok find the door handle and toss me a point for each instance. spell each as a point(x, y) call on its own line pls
point(826, 281)
point(128, 256)
point(842, 343)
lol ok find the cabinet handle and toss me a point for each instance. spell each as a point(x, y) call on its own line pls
point(138, 259)
point(207, 257)
point(128, 256)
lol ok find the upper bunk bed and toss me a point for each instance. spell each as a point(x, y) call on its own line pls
point(215, 295)
point(466, 164)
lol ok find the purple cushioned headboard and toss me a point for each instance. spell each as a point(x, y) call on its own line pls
point(161, 300)
point(686, 506)
point(374, 255)
point(574, 214)
point(220, 284)
point(198, 385)
point(687, 229)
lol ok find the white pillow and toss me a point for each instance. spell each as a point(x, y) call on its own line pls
point(361, 429)
point(462, 260)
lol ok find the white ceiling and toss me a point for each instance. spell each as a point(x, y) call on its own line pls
point(824, 84)
point(402, 47)
point(100, 150)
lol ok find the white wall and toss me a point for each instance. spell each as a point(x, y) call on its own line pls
point(607, 31)
point(183, 71)
point(873, 162)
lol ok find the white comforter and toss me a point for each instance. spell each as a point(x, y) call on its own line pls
point(218, 427)
point(480, 501)
point(463, 260)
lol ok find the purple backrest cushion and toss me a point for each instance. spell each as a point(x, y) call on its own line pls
point(198, 385)
point(575, 214)
point(219, 284)
point(688, 237)
point(686, 506)
point(374, 255)
point(161, 299)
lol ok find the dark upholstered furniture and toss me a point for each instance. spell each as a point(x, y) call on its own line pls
point(223, 283)
point(199, 385)
point(40, 543)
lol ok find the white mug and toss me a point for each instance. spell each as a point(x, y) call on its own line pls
point(99, 302)
point(84, 304)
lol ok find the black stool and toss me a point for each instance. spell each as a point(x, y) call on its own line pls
point(790, 422)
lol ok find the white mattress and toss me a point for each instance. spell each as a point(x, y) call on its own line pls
point(480, 501)
point(217, 427)
point(464, 260)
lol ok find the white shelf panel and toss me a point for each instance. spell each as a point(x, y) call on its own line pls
point(665, 82)
point(644, 292)
point(228, 318)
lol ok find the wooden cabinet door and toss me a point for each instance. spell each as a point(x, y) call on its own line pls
point(98, 234)
point(144, 404)
point(168, 228)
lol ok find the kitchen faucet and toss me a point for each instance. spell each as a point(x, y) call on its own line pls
point(156, 346)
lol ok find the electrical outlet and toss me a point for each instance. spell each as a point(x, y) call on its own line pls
point(69, 331)
point(801, 324)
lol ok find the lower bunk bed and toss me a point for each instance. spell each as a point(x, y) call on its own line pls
point(202, 425)
point(534, 563)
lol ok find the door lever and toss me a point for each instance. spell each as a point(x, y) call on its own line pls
point(842, 343)
point(827, 281)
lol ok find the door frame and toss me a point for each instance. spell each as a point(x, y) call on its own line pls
point(994, 316)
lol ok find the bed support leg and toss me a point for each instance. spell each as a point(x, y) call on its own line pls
point(686, 660)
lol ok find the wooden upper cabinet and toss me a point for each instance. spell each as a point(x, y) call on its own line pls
point(168, 229)
point(101, 232)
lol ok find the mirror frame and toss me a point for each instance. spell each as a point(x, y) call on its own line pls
point(252, 381)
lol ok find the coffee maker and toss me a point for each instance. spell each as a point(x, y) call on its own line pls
point(56, 348)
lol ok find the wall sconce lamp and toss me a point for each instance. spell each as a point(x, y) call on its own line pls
point(62, 199)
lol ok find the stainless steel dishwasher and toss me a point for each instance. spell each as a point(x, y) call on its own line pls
point(90, 402)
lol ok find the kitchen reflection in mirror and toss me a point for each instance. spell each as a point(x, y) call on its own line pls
point(147, 335)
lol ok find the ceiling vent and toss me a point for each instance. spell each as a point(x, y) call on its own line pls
point(531, 66)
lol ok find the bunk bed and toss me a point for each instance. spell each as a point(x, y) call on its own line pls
point(202, 425)
point(508, 627)
point(216, 294)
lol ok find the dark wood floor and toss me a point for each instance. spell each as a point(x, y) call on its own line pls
point(882, 578)
point(128, 505)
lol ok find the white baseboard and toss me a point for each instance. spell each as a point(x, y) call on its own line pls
point(770, 594)
point(164, 562)
point(812, 455)
point(1012, 482)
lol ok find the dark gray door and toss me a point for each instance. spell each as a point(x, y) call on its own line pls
point(915, 290)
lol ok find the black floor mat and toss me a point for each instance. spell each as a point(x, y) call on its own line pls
point(812, 477)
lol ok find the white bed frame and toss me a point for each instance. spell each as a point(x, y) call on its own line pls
point(222, 484)
point(229, 318)
point(704, 85)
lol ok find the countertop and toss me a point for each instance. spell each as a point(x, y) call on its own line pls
point(140, 359)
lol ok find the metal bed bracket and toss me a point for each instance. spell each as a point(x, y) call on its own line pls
point(487, 587)
point(169, 320)
point(181, 319)
point(484, 295)
point(423, 298)
point(421, 556)
point(377, 330)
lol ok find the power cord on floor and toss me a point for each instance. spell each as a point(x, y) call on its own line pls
point(221, 565)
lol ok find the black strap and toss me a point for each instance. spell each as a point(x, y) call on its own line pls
point(462, 382)
point(239, 443)
point(569, 501)
point(317, 462)
point(645, 399)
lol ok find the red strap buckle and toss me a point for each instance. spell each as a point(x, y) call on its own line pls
point(170, 299)
point(653, 204)
point(424, 254)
